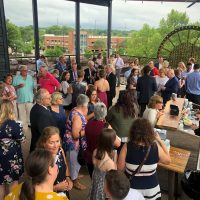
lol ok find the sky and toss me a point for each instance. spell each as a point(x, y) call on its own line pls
point(126, 15)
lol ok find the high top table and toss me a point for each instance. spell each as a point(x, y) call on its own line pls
point(179, 159)
point(168, 121)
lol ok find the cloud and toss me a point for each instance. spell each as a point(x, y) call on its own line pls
point(125, 15)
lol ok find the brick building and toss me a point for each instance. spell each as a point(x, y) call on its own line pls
point(86, 41)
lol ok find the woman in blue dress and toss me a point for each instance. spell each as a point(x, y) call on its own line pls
point(58, 112)
point(11, 159)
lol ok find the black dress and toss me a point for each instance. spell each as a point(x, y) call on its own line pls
point(61, 170)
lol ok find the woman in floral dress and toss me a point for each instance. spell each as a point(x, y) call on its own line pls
point(11, 160)
point(10, 92)
point(76, 123)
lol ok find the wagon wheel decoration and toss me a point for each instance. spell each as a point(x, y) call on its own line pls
point(181, 44)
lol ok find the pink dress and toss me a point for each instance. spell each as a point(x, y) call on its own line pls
point(103, 97)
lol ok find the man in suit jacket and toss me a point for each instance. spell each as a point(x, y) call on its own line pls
point(171, 86)
point(90, 73)
point(40, 116)
point(111, 78)
point(146, 86)
point(73, 73)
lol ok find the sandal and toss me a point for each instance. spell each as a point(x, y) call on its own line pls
point(80, 176)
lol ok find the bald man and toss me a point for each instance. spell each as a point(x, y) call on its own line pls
point(170, 87)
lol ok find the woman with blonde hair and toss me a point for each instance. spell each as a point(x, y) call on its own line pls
point(58, 112)
point(153, 110)
point(11, 159)
point(161, 79)
point(50, 140)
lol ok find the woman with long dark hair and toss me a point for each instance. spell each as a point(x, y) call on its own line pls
point(143, 143)
point(122, 114)
point(103, 161)
point(41, 173)
point(93, 100)
point(65, 89)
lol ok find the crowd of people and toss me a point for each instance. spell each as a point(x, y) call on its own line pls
point(71, 111)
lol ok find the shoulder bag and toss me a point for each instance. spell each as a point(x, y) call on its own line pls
point(130, 176)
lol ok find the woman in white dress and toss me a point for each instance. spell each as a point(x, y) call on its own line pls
point(65, 89)
point(161, 79)
point(154, 109)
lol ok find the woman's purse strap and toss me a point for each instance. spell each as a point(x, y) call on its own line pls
point(140, 166)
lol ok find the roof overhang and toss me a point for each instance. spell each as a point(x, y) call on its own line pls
point(94, 2)
point(185, 1)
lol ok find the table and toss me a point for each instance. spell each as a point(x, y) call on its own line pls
point(168, 121)
point(179, 160)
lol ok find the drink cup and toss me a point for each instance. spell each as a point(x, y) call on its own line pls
point(186, 102)
point(174, 96)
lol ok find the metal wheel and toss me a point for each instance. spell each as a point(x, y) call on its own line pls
point(181, 44)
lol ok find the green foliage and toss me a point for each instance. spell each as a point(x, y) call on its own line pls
point(27, 48)
point(88, 53)
point(99, 45)
point(14, 36)
point(104, 32)
point(174, 20)
point(26, 33)
point(58, 30)
point(144, 42)
point(56, 52)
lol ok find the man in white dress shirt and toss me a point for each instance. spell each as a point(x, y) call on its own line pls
point(119, 64)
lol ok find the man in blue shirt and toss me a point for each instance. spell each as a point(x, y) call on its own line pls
point(24, 86)
point(193, 85)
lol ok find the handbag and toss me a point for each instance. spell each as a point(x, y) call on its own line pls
point(191, 184)
point(81, 153)
point(130, 176)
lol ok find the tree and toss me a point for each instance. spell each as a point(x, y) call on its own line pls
point(55, 52)
point(27, 33)
point(144, 42)
point(88, 53)
point(99, 45)
point(122, 47)
point(58, 30)
point(14, 37)
point(27, 48)
point(174, 20)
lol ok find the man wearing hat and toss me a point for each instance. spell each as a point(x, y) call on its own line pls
point(24, 85)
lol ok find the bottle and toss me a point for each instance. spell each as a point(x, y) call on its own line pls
point(167, 143)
